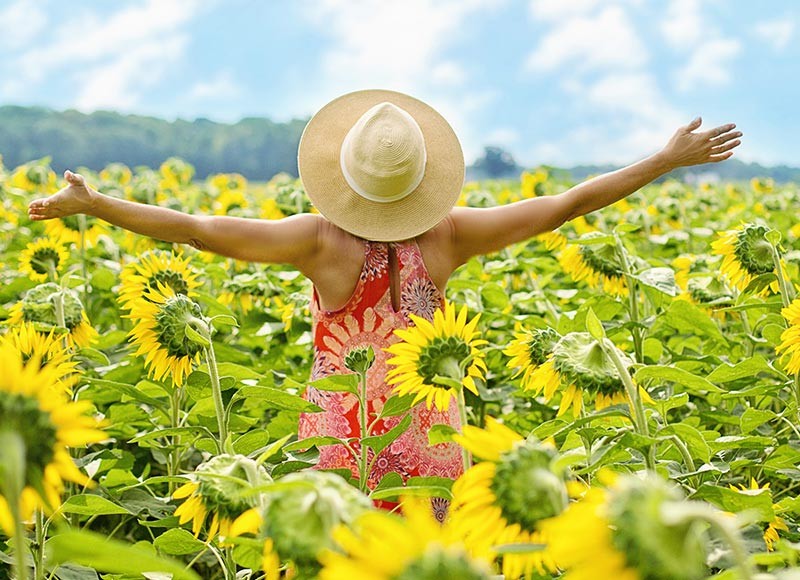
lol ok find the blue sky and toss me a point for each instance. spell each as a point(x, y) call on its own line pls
point(553, 81)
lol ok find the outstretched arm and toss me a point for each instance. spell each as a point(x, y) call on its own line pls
point(485, 230)
point(291, 240)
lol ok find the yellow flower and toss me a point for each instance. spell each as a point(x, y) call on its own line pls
point(39, 306)
point(153, 268)
point(577, 365)
point(67, 230)
point(386, 547)
point(47, 348)
point(270, 210)
point(34, 406)
point(160, 333)
point(595, 264)
point(528, 350)
point(625, 533)
point(553, 240)
point(433, 357)
point(746, 254)
point(42, 258)
point(501, 500)
point(221, 490)
point(228, 201)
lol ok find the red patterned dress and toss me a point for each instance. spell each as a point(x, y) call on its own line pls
point(368, 318)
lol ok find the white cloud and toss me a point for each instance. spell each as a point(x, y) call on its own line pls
point(113, 59)
point(448, 73)
point(23, 21)
point(709, 64)
point(559, 9)
point(683, 25)
point(221, 86)
point(606, 40)
point(503, 136)
point(777, 33)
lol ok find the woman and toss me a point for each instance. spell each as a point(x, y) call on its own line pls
point(385, 171)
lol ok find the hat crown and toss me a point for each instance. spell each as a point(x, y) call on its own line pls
point(383, 155)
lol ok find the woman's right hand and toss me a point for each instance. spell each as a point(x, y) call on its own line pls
point(76, 197)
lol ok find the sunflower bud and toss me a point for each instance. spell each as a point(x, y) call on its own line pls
point(222, 480)
point(39, 305)
point(359, 359)
point(300, 517)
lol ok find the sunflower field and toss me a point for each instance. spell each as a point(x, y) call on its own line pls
point(630, 386)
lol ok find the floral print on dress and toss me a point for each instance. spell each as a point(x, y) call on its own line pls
point(368, 319)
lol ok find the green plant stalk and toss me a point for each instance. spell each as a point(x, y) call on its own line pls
point(639, 417)
point(466, 456)
point(12, 468)
point(216, 390)
point(633, 301)
point(175, 411)
point(38, 551)
point(364, 429)
point(84, 267)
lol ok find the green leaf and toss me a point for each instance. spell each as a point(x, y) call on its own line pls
point(126, 389)
point(178, 542)
point(106, 555)
point(380, 442)
point(195, 336)
point(494, 296)
point(337, 383)
point(317, 441)
point(225, 320)
point(251, 441)
point(773, 237)
point(747, 368)
point(94, 355)
point(277, 398)
point(689, 381)
point(757, 501)
point(418, 487)
point(662, 279)
point(694, 440)
point(92, 505)
point(753, 418)
point(594, 326)
point(772, 333)
point(397, 405)
point(440, 433)
point(194, 432)
point(688, 318)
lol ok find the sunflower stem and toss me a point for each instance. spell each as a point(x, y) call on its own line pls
point(82, 250)
point(216, 389)
point(466, 456)
point(633, 299)
point(38, 547)
point(364, 430)
point(175, 411)
point(12, 482)
point(639, 417)
point(787, 293)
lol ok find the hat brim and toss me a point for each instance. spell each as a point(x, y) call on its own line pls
point(320, 171)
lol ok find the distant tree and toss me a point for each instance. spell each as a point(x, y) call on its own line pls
point(496, 162)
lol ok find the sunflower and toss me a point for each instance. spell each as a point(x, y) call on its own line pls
point(596, 264)
point(160, 333)
point(625, 532)
point(387, 547)
point(270, 210)
point(578, 364)
point(528, 350)
point(553, 240)
point(248, 290)
point(502, 499)
point(42, 258)
point(35, 408)
point(790, 338)
point(47, 348)
point(746, 255)
point(447, 347)
point(221, 489)
point(67, 230)
point(771, 535)
point(39, 306)
point(153, 268)
point(230, 201)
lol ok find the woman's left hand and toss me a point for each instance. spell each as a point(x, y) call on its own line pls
point(687, 148)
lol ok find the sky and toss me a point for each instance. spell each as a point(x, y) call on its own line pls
point(560, 82)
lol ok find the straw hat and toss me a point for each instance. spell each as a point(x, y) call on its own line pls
point(381, 165)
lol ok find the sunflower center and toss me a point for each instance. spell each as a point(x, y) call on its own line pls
point(39, 305)
point(582, 362)
point(602, 258)
point(170, 278)
point(753, 251)
point(22, 415)
point(171, 321)
point(438, 563)
point(526, 488)
point(42, 258)
point(657, 550)
point(443, 357)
